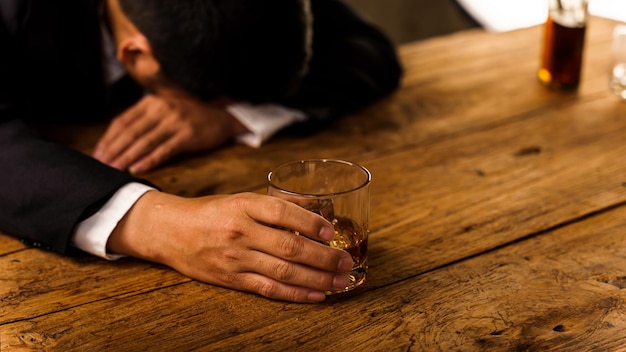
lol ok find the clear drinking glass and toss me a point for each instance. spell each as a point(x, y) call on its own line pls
point(618, 64)
point(338, 190)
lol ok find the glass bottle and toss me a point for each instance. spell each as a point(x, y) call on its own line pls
point(563, 44)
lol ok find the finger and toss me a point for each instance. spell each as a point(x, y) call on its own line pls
point(158, 152)
point(122, 132)
point(293, 274)
point(298, 249)
point(267, 287)
point(142, 146)
point(134, 143)
point(291, 216)
point(117, 126)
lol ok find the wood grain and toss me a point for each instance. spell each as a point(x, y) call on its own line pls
point(558, 291)
point(9, 245)
point(474, 193)
point(561, 290)
point(497, 218)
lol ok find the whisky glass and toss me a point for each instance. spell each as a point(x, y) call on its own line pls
point(338, 190)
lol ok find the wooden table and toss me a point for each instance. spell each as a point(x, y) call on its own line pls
point(498, 223)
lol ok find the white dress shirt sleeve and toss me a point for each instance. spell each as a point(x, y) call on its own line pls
point(263, 121)
point(91, 235)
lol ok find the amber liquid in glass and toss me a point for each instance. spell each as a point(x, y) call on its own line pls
point(352, 238)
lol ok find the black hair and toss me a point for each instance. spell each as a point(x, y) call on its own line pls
point(250, 50)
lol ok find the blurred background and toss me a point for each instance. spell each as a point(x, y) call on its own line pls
point(408, 20)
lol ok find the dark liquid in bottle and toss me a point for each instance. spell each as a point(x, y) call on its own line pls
point(562, 55)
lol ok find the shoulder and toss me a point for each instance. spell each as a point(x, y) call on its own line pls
point(19, 16)
point(13, 13)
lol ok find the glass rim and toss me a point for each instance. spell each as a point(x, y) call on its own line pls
point(366, 172)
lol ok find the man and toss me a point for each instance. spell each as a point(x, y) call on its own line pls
point(207, 70)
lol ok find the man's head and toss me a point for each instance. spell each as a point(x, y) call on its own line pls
point(245, 49)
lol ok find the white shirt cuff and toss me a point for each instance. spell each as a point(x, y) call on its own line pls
point(91, 235)
point(263, 121)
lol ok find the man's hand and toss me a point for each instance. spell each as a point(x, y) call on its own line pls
point(156, 129)
point(236, 241)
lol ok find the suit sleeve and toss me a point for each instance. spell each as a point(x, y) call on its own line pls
point(353, 64)
point(45, 188)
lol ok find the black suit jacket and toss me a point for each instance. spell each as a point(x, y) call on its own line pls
point(50, 71)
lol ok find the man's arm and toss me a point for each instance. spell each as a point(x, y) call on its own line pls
point(46, 189)
point(225, 240)
point(222, 240)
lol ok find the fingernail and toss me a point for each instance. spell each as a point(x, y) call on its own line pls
point(97, 154)
point(345, 263)
point(340, 282)
point(326, 233)
point(136, 169)
point(316, 296)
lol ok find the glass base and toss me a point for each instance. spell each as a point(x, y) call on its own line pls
point(357, 277)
